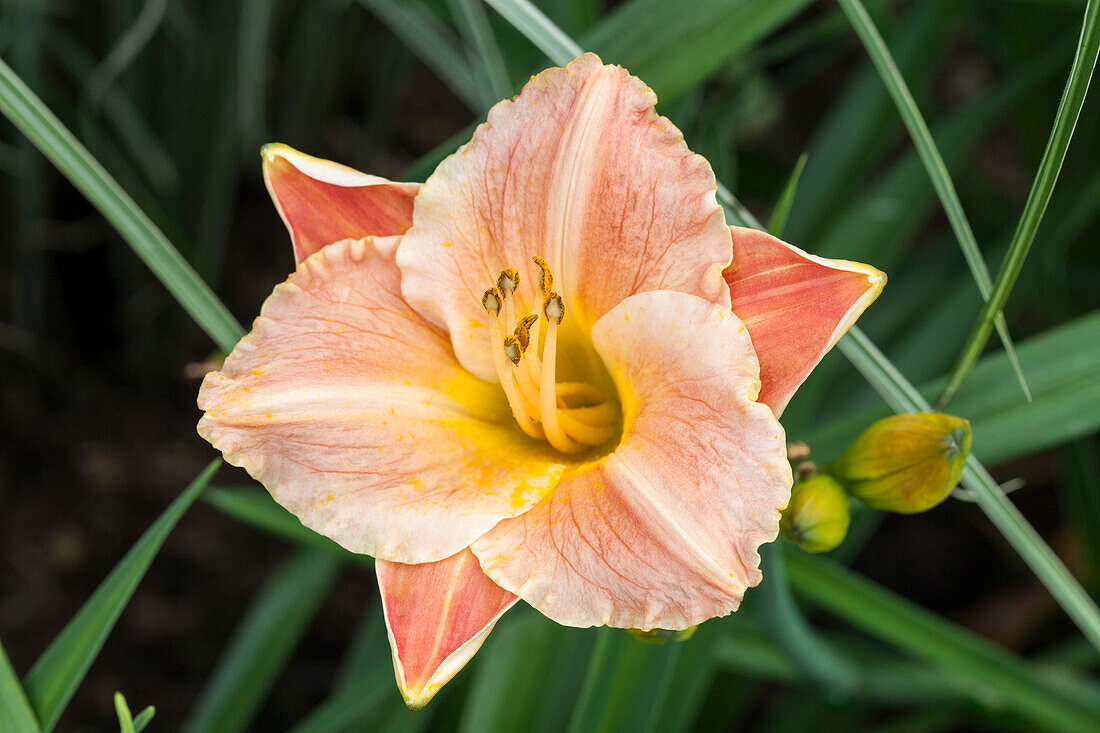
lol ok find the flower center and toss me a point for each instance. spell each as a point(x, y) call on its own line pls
point(571, 416)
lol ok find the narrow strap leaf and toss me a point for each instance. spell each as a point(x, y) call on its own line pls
point(262, 644)
point(933, 163)
point(778, 221)
point(57, 673)
point(16, 715)
point(927, 636)
point(1077, 86)
point(20, 105)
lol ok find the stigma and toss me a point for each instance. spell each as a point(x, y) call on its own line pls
point(571, 416)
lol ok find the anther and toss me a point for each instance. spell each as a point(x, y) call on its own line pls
point(508, 281)
point(554, 308)
point(490, 301)
point(523, 331)
point(512, 349)
point(546, 278)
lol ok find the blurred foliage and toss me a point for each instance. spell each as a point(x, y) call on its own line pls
point(174, 100)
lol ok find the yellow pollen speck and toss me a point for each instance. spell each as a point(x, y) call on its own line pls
point(474, 323)
point(446, 244)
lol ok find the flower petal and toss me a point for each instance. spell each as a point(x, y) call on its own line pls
point(580, 170)
point(437, 614)
point(795, 305)
point(324, 202)
point(353, 412)
point(663, 532)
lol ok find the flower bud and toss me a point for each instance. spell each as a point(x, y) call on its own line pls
point(660, 636)
point(816, 519)
point(906, 463)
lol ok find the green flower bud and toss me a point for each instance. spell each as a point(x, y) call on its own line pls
point(660, 636)
point(817, 517)
point(906, 463)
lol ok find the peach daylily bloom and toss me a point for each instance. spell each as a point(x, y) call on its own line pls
point(551, 373)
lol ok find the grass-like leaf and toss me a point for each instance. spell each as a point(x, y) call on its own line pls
point(787, 627)
point(527, 667)
point(261, 645)
point(625, 683)
point(778, 220)
point(256, 507)
point(16, 715)
point(540, 30)
point(1080, 75)
point(364, 686)
point(57, 673)
point(1066, 404)
point(20, 105)
point(926, 636)
point(474, 26)
point(933, 163)
point(674, 50)
point(126, 720)
point(435, 44)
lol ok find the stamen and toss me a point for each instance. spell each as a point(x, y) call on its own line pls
point(572, 416)
point(546, 278)
point(512, 350)
point(523, 331)
point(508, 280)
point(554, 310)
point(490, 301)
point(546, 286)
point(521, 407)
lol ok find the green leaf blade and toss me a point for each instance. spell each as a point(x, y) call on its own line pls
point(263, 642)
point(27, 112)
point(55, 676)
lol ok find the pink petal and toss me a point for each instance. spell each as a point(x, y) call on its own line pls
point(580, 170)
point(437, 615)
point(352, 411)
point(795, 305)
point(663, 532)
point(324, 202)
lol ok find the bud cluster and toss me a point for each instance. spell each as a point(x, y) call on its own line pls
point(904, 464)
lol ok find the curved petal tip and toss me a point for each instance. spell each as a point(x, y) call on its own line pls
point(795, 305)
point(437, 617)
point(323, 202)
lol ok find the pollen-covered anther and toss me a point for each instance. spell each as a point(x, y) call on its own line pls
point(553, 308)
point(546, 277)
point(508, 280)
point(512, 349)
point(523, 331)
point(490, 301)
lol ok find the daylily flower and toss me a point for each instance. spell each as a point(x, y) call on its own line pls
point(551, 372)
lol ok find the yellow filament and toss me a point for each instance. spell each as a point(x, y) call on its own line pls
point(596, 415)
point(505, 373)
point(584, 432)
point(548, 394)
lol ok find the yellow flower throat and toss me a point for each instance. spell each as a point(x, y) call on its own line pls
point(571, 416)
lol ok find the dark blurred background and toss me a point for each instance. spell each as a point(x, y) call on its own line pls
point(99, 367)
